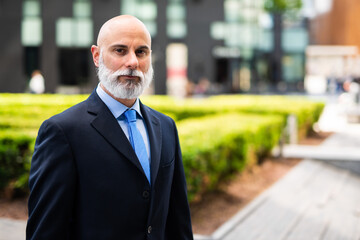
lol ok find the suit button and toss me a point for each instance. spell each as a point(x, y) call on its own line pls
point(149, 229)
point(146, 194)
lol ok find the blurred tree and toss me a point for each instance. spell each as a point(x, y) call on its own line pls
point(277, 8)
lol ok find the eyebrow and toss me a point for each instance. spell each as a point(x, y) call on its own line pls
point(144, 47)
point(125, 46)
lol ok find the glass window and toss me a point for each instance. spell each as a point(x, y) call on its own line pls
point(295, 39)
point(249, 14)
point(293, 67)
point(78, 30)
point(247, 53)
point(233, 37)
point(82, 9)
point(83, 33)
point(145, 10)
point(247, 35)
point(176, 12)
point(265, 40)
point(64, 28)
point(265, 20)
point(129, 7)
point(74, 32)
point(258, 4)
point(218, 30)
point(148, 10)
point(176, 29)
point(31, 31)
point(176, 16)
point(248, 2)
point(232, 10)
point(240, 35)
point(31, 9)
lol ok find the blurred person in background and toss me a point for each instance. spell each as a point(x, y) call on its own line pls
point(37, 83)
point(110, 167)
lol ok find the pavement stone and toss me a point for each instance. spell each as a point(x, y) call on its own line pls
point(12, 229)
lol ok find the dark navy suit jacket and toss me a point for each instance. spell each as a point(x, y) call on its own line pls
point(87, 183)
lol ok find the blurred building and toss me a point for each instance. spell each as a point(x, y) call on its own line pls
point(339, 25)
point(224, 43)
point(333, 56)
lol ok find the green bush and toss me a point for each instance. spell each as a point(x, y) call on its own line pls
point(15, 155)
point(180, 109)
point(219, 135)
point(20, 118)
point(215, 147)
point(306, 111)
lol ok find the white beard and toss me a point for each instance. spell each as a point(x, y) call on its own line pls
point(130, 89)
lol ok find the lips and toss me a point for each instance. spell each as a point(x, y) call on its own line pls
point(129, 79)
point(128, 76)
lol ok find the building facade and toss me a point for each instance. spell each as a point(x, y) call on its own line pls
point(335, 38)
point(225, 43)
point(337, 26)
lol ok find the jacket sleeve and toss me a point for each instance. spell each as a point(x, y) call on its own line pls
point(52, 185)
point(179, 220)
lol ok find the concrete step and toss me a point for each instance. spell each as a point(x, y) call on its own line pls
point(322, 152)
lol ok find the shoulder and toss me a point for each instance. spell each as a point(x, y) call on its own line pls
point(71, 112)
point(59, 127)
point(70, 117)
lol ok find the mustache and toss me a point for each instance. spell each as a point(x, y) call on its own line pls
point(128, 72)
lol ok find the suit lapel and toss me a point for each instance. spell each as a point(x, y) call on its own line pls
point(105, 123)
point(155, 139)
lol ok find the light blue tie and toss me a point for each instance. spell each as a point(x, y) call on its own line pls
point(137, 142)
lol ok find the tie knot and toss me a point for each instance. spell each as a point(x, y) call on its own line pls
point(130, 115)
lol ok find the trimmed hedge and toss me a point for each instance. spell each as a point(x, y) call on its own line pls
point(20, 118)
point(16, 150)
point(306, 111)
point(219, 135)
point(213, 148)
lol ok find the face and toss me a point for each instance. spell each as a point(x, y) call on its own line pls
point(132, 85)
point(123, 58)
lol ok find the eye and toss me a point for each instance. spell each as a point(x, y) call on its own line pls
point(141, 52)
point(120, 50)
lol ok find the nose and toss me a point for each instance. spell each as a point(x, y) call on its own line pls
point(132, 61)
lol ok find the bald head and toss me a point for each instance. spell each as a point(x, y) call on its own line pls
point(123, 58)
point(123, 23)
point(122, 37)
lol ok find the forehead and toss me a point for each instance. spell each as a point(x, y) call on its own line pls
point(131, 35)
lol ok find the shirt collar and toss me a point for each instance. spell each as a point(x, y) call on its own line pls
point(116, 108)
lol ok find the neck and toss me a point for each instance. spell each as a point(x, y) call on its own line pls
point(127, 102)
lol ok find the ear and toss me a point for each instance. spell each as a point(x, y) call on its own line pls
point(95, 51)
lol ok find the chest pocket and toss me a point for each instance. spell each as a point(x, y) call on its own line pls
point(167, 171)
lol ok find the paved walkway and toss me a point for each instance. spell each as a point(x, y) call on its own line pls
point(12, 229)
point(314, 201)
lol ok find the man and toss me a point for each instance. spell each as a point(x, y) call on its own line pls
point(89, 178)
point(36, 83)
